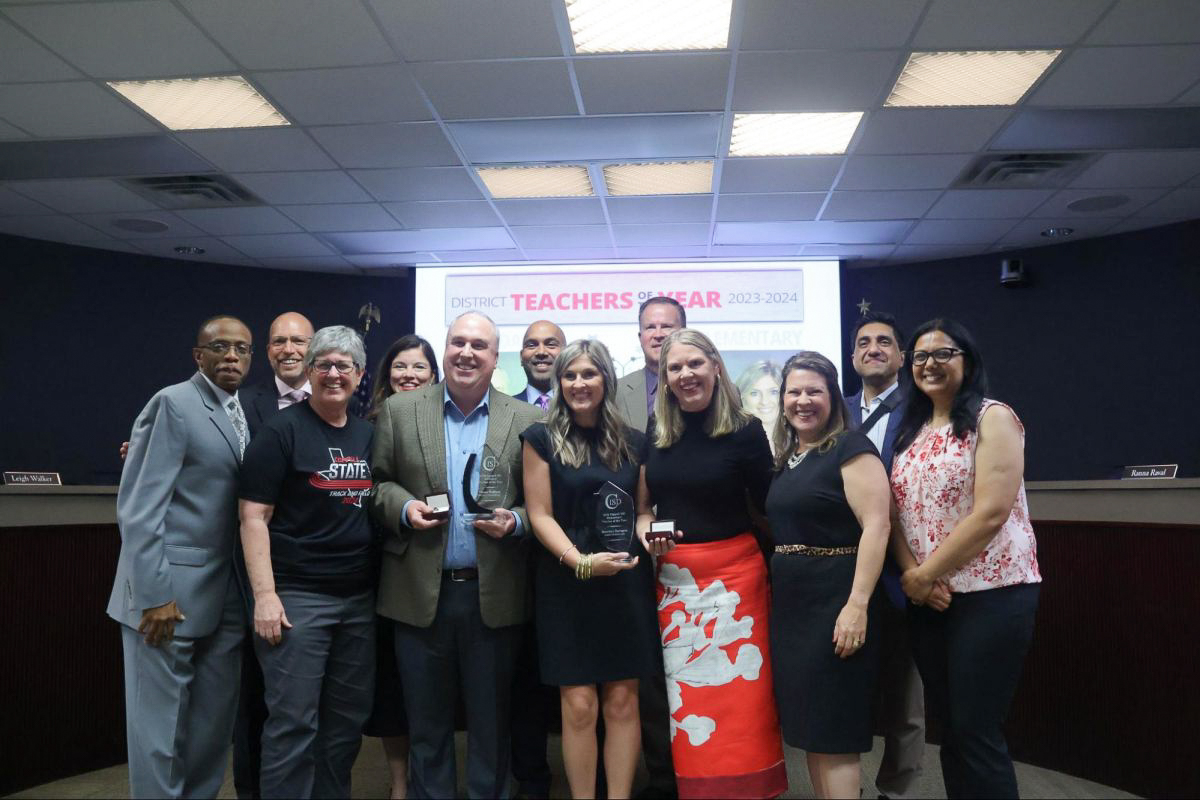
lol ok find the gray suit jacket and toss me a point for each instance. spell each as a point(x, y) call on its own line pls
point(409, 463)
point(177, 510)
point(631, 399)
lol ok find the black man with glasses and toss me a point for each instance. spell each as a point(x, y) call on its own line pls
point(309, 557)
point(175, 594)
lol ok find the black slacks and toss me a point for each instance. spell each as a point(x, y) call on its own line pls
point(458, 654)
point(970, 657)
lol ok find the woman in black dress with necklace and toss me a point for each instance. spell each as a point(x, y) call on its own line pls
point(595, 611)
point(828, 509)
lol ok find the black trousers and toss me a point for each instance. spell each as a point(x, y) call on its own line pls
point(970, 657)
point(656, 735)
point(457, 655)
point(533, 706)
point(248, 727)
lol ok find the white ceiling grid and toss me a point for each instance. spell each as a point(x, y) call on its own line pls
point(393, 104)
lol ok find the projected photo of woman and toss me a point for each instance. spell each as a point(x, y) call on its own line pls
point(758, 386)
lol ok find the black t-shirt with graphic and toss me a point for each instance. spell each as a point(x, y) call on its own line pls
point(317, 478)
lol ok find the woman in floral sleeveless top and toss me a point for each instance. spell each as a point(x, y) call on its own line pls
point(966, 548)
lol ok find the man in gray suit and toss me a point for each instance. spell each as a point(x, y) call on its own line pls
point(658, 318)
point(175, 594)
point(455, 588)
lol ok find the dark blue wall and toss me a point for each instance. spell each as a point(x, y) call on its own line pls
point(1099, 355)
point(89, 335)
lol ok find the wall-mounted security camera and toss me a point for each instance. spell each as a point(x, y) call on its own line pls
point(1012, 273)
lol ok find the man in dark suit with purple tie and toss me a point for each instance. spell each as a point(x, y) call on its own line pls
point(876, 410)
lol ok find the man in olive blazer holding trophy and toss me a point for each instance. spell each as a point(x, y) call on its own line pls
point(454, 581)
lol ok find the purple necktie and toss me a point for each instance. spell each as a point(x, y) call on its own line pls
point(543, 402)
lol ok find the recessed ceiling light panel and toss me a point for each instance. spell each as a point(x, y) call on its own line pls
point(566, 180)
point(186, 104)
point(793, 134)
point(969, 78)
point(678, 177)
point(624, 26)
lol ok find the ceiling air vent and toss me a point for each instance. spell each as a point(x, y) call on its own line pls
point(1023, 170)
point(192, 191)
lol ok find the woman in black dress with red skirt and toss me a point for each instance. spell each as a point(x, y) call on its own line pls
point(828, 510)
point(595, 611)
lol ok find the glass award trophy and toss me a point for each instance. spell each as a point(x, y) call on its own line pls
point(493, 486)
point(614, 518)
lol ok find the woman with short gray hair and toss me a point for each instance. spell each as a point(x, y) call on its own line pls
point(308, 548)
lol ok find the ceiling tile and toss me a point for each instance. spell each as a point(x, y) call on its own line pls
point(293, 34)
point(234, 221)
point(1119, 170)
point(83, 196)
point(175, 229)
point(879, 205)
point(485, 90)
point(449, 214)
point(1120, 76)
point(828, 80)
point(414, 144)
point(349, 95)
point(562, 236)
point(341, 217)
point(137, 39)
point(769, 207)
point(589, 138)
point(116, 156)
point(1141, 223)
point(988, 203)
point(902, 172)
point(261, 149)
point(214, 249)
point(653, 83)
point(468, 29)
point(933, 252)
point(552, 211)
point(570, 253)
point(671, 252)
point(692, 208)
point(70, 110)
point(382, 260)
point(757, 175)
point(479, 256)
point(929, 130)
point(959, 231)
point(788, 25)
point(13, 204)
point(9, 132)
point(1181, 203)
point(54, 228)
point(428, 239)
point(674, 234)
point(1190, 97)
point(420, 183)
point(1056, 206)
point(318, 186)
point(1029, 231)
point(1149, 22)
point(755, 233)
point(278, 245)
point(755, 251)
point(1011, 25)
point(848, 250)
point(23, 59)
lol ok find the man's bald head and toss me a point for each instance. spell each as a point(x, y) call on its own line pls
point(287, 342)
point(539, 347)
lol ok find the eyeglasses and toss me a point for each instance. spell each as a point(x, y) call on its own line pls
point(222, 347)
point(942, 355)
point(299, 341)
point(341, 367)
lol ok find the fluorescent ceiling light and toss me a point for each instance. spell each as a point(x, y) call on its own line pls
point(186, 104)
point(807, 134)
point(678, 177)
point(551, 181)
point(622, 26)
point(969, 78)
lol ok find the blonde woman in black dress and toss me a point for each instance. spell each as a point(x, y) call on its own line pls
point(595, 612)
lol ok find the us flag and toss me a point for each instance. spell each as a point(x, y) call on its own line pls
point(360, 404)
